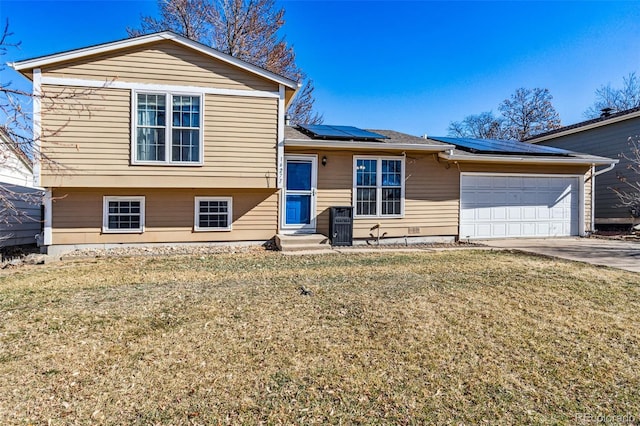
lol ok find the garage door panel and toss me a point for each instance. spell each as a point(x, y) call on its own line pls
point(498, 229)
point(518, 206)
point(514, 229)
point(497, 213)
point(515, 213)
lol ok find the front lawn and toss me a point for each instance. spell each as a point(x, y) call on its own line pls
point(436, 337)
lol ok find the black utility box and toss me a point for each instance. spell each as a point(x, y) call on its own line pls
point(341, 226)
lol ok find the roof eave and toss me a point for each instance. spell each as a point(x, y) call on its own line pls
point(597, 161)
point(542, 138)
point(305, 143)
point(29, 64)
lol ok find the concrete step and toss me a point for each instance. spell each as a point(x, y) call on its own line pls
point(302, 242)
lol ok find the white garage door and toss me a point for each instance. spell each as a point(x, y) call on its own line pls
point(504, 206)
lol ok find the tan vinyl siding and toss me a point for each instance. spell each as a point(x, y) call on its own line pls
point(90, 136)
point(431, 195)
point(77, 216)
point(588, 194)
point(162, 62)
point(521, 168)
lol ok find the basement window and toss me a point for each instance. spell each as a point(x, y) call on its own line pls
point(123, 215)
point(213, 214)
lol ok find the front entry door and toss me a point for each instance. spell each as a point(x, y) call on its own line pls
point(300, 193)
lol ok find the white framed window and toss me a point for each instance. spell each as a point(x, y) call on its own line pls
point(213, 214)
point(378, 186)
point(167, 128)
point(123, 215)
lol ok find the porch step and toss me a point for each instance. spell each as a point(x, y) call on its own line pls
point(302, 242)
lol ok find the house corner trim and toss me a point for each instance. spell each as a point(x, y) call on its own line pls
point(37, 125)
point(280, 144)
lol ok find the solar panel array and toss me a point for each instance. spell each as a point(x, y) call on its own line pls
point(324, 131)
point(491, 146)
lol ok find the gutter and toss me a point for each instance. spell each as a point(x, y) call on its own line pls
point(527, 160)
point(307, 143)
point(593, 190)
point(605, 170)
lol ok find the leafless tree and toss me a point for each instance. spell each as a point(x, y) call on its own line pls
point(529, 112)
point(244, 29)
point(187, 17)
point(629, 193)
point(608, 97)
point(526, 113)
point(481, 126)
point(17, 134)
point(16, 139)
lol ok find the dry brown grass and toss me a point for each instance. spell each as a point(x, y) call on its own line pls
point(443, 338)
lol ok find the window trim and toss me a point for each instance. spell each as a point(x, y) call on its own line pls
point(168, 127)
point(196, 214)
point(105, 214)
point(379, 187)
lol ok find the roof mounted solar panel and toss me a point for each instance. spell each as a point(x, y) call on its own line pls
point(324, 131)
point(491, 146)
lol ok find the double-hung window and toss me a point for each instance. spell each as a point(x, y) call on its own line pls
point(123, 215)
point(378, 186)
point(213, 214)
point(167, 128)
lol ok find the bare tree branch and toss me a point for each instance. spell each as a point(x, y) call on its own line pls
point(17, 133)
point(526, 113)
point(629, 193)
point(624, 98)
point(245, 29)
point(481, 126)
point(529, 112)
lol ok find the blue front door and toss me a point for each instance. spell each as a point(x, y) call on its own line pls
point(300, 176)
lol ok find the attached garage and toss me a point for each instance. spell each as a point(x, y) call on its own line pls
point(520, 205)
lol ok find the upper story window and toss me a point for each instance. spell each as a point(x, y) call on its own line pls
point(167, 128)
point(378, 186)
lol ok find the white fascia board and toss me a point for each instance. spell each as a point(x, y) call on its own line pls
point(305, 143)
point(137, 41)
point(599, 161)
point(584, 128)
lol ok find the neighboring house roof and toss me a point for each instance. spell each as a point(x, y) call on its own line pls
point(586, 125)
point(29, 64)
point(498, 151)
point(16, 149)
point(294, 137)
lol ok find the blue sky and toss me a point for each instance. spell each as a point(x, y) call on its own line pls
point(411, 66)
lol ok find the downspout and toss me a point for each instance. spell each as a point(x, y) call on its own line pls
point(593, 198)
point(593, 191)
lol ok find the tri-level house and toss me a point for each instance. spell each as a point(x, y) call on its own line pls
point(159, 139)
point(608, 135)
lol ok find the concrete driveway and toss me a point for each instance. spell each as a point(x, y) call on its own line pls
point(614, 253)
